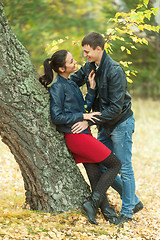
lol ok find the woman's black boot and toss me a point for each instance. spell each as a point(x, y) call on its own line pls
point(91, 206)
point(110, 215)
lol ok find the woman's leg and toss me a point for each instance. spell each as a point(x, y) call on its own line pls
point(101, 182)
point(113, 165)
point(100, 187)
point(94, 174)
point(87, 149)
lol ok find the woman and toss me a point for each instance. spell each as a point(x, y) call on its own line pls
point(69, 113)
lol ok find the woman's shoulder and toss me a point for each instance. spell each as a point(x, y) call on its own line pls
point(56, 82)
point(57, 85)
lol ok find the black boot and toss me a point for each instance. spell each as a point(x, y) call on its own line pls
point(91, 206)
point(110, 215)
point(138, 207)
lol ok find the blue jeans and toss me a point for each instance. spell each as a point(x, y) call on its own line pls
point(120, 142)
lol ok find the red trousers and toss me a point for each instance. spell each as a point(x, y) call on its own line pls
point(86, 148)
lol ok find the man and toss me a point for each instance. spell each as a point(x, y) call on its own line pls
point(116, 124)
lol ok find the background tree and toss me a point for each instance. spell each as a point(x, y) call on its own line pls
point(146, 60)
point(52, 180)
point(40, 22)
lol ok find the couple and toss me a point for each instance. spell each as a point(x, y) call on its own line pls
point(107, 95)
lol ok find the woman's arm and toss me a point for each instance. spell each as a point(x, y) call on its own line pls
point(57, 111)
point(90, 96)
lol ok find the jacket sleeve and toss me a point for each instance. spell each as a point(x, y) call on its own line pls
point(79, 76)
point(58, 114)
point(112, 106)
point(89, 99)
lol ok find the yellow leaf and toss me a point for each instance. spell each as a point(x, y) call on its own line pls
point(129, 80)
point(141, 27)
point(123, 48)
point(144, 41)
point(128, 51)
point(155, 10)
point(134, 39)
point(118, 14)
point(133, 73)
point(110, 31)
point(127, 73)
point(125, 64)
point(146, 2)
point(60, 40)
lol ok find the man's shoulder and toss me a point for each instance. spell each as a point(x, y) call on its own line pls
point(113, 66)
point(111, 62)
point(113, 69)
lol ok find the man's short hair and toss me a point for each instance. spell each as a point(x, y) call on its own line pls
point(94, 39)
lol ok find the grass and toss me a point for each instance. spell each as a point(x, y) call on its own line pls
point(18, 223)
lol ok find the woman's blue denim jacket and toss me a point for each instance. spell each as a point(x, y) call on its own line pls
point(67, 104)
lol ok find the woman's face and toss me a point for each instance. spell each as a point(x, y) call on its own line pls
point(70, 64)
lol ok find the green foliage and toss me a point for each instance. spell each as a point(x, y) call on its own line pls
point(127, 28)
point(41, 24)
point(143, 36)
point(124, 37)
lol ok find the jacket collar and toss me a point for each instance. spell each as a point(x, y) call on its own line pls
point(62, 78)
point(105, 58)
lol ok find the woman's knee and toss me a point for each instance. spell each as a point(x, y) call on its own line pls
point(112, 162)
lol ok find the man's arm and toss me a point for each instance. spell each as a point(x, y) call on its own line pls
point(80, 76)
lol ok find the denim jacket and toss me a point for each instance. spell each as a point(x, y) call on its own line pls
point(112, 98)
point(67, 104)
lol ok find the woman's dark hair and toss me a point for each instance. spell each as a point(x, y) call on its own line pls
point(94, 39)
point(54, 63)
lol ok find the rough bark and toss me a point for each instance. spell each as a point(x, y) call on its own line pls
point(52, 181)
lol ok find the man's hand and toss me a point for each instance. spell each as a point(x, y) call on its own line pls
point(79, 127)
point(91, 116)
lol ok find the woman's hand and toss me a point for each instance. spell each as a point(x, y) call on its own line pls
point(91, 116)
point(79, 127)
point(92, 81)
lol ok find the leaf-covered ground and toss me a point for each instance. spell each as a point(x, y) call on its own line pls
point(18, 223)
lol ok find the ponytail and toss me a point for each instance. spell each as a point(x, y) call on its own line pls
point(47, 78)
point(56, 61)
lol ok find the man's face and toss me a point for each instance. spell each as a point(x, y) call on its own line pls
point(91, 54)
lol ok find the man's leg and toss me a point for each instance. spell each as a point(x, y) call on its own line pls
point(122, 145)
point(117, 184)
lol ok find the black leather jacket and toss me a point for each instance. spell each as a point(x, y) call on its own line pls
point(67, 104)
point(112, 100)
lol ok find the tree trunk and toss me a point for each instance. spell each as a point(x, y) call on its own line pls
point(52, 181)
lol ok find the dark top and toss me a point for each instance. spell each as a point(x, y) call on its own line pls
point(112, 98)
point(67, 104)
